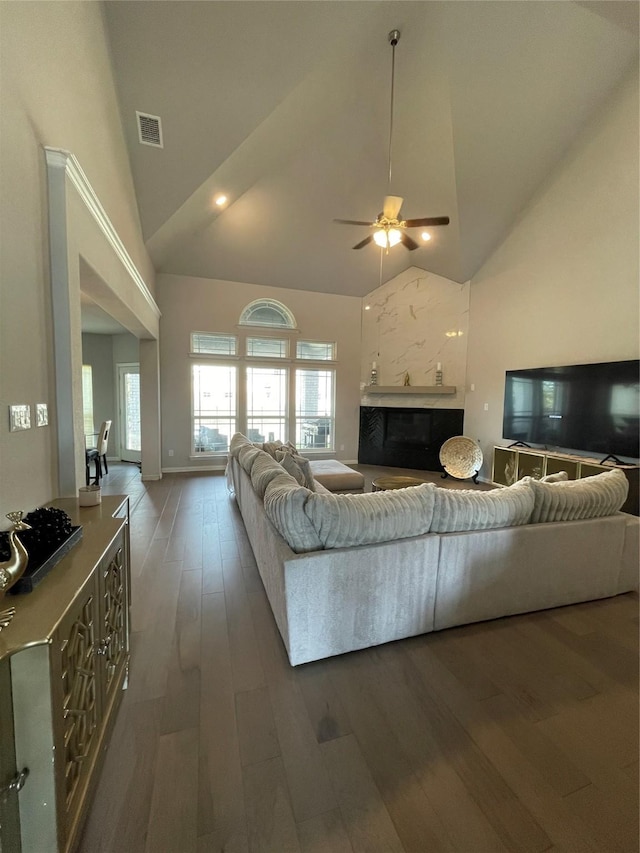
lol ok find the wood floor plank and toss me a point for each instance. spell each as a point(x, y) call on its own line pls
point(416, 822)
point(324, 706)
point(246, 664)
point(221, 811)
point(270, 821)
point(117, 822)
point(365, 815)
point(211, 560)
point(611, 816)
point(546, 806)
point(181, 703)
point(464, 821)
point(256, 728)
point(172, 816)
point(507, 814)
point(311, 790)
point(324, 833)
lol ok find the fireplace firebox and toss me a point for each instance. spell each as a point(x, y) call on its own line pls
point(406, 438)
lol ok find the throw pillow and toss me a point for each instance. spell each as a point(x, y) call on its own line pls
point(344, 520)
point(238, 440)
point(270, 447)
point(263, 471)
point(592, 497)
point(246, 456)
point(290, 465)
point(465, 509)
point(284, 504)
point(298, 466)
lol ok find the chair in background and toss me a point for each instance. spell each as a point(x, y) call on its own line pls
point(98, 454)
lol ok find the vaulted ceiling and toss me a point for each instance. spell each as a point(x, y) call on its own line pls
point(284, 107)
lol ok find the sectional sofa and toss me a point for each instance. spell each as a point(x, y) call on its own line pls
point(345, 572)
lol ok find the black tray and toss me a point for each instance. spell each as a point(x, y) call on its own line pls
point(35, 573)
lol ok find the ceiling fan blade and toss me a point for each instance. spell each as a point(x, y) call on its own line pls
point(364, 242)
point(429, 220)
point(392, 205)
point(408, 242)
point(352, 222)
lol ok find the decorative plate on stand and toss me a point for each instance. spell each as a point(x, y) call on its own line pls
point(461, 457)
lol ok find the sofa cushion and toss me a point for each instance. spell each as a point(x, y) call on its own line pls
point(238, 440)
point(344, 520)
point(337, 476)
point(591, 497)
point(263, 471)
point(297, 466)
point(465, 509)
point(284, 503)
point(247, 455)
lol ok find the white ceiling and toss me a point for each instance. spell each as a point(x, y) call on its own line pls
point(284, 106)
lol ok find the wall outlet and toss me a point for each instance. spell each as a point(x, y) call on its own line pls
point(342, 447)
point(170, 452)
point(486, 407)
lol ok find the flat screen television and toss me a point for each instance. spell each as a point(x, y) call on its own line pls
point(583, 407)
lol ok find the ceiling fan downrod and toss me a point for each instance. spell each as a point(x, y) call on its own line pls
point(394, 38)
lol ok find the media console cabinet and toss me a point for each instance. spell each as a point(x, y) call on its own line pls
point(513, 463)
point(64, 660)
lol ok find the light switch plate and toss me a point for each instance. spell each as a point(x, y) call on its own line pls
point(42, 414)
point(19, 417)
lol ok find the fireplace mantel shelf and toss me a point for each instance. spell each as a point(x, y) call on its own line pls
point(409, 389)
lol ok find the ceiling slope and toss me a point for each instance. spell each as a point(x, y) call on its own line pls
point(285, 107)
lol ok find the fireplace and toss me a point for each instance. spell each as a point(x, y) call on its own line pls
point(406, 438)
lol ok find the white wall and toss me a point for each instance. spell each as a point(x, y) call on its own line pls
point(97, 350)
point(197, 304)
point(409, 324)
point(57, 90)
point(563, 287)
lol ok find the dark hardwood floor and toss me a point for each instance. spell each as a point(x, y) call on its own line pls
point(514, 735)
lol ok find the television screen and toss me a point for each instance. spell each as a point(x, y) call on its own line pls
point(587, 407)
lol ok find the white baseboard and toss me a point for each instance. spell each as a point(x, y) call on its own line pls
point(193, 469)
point(148, 477)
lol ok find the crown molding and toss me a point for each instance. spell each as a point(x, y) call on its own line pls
point(58, 158)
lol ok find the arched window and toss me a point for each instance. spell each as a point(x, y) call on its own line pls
point(267, 312)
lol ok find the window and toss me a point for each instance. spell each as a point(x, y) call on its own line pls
point(238, 383)
point(316, 350)
point(267, 347)
point(214, 406)
point(267, 312)
point(87, 399)
point(315, 409)
point(267, 403)
point(202, 342)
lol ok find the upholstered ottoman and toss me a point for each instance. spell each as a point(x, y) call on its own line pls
point(337, 477)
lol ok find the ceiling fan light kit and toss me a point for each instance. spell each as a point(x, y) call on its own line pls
point(390, 229)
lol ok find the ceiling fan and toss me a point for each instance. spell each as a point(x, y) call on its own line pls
point(389, 228)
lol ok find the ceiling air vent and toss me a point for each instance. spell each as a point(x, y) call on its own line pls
point(149, 130)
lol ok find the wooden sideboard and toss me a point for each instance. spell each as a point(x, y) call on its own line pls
point(64, 660)
point(513, 463)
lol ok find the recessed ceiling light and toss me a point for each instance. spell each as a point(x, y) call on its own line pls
point(426, 236)
point(220, 200)
point(367, 307)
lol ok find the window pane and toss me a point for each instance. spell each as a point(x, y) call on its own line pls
point(266, 403)
point(267, 312)
point(267, 347)
point(213, 344)
point(214, 407)
point(316, 350)
point(87, 400)
point(132, 438)
point(314, 408)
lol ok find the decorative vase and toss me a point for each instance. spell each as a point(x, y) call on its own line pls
point(11, 570)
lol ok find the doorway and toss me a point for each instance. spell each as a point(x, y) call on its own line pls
point(129, 412)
